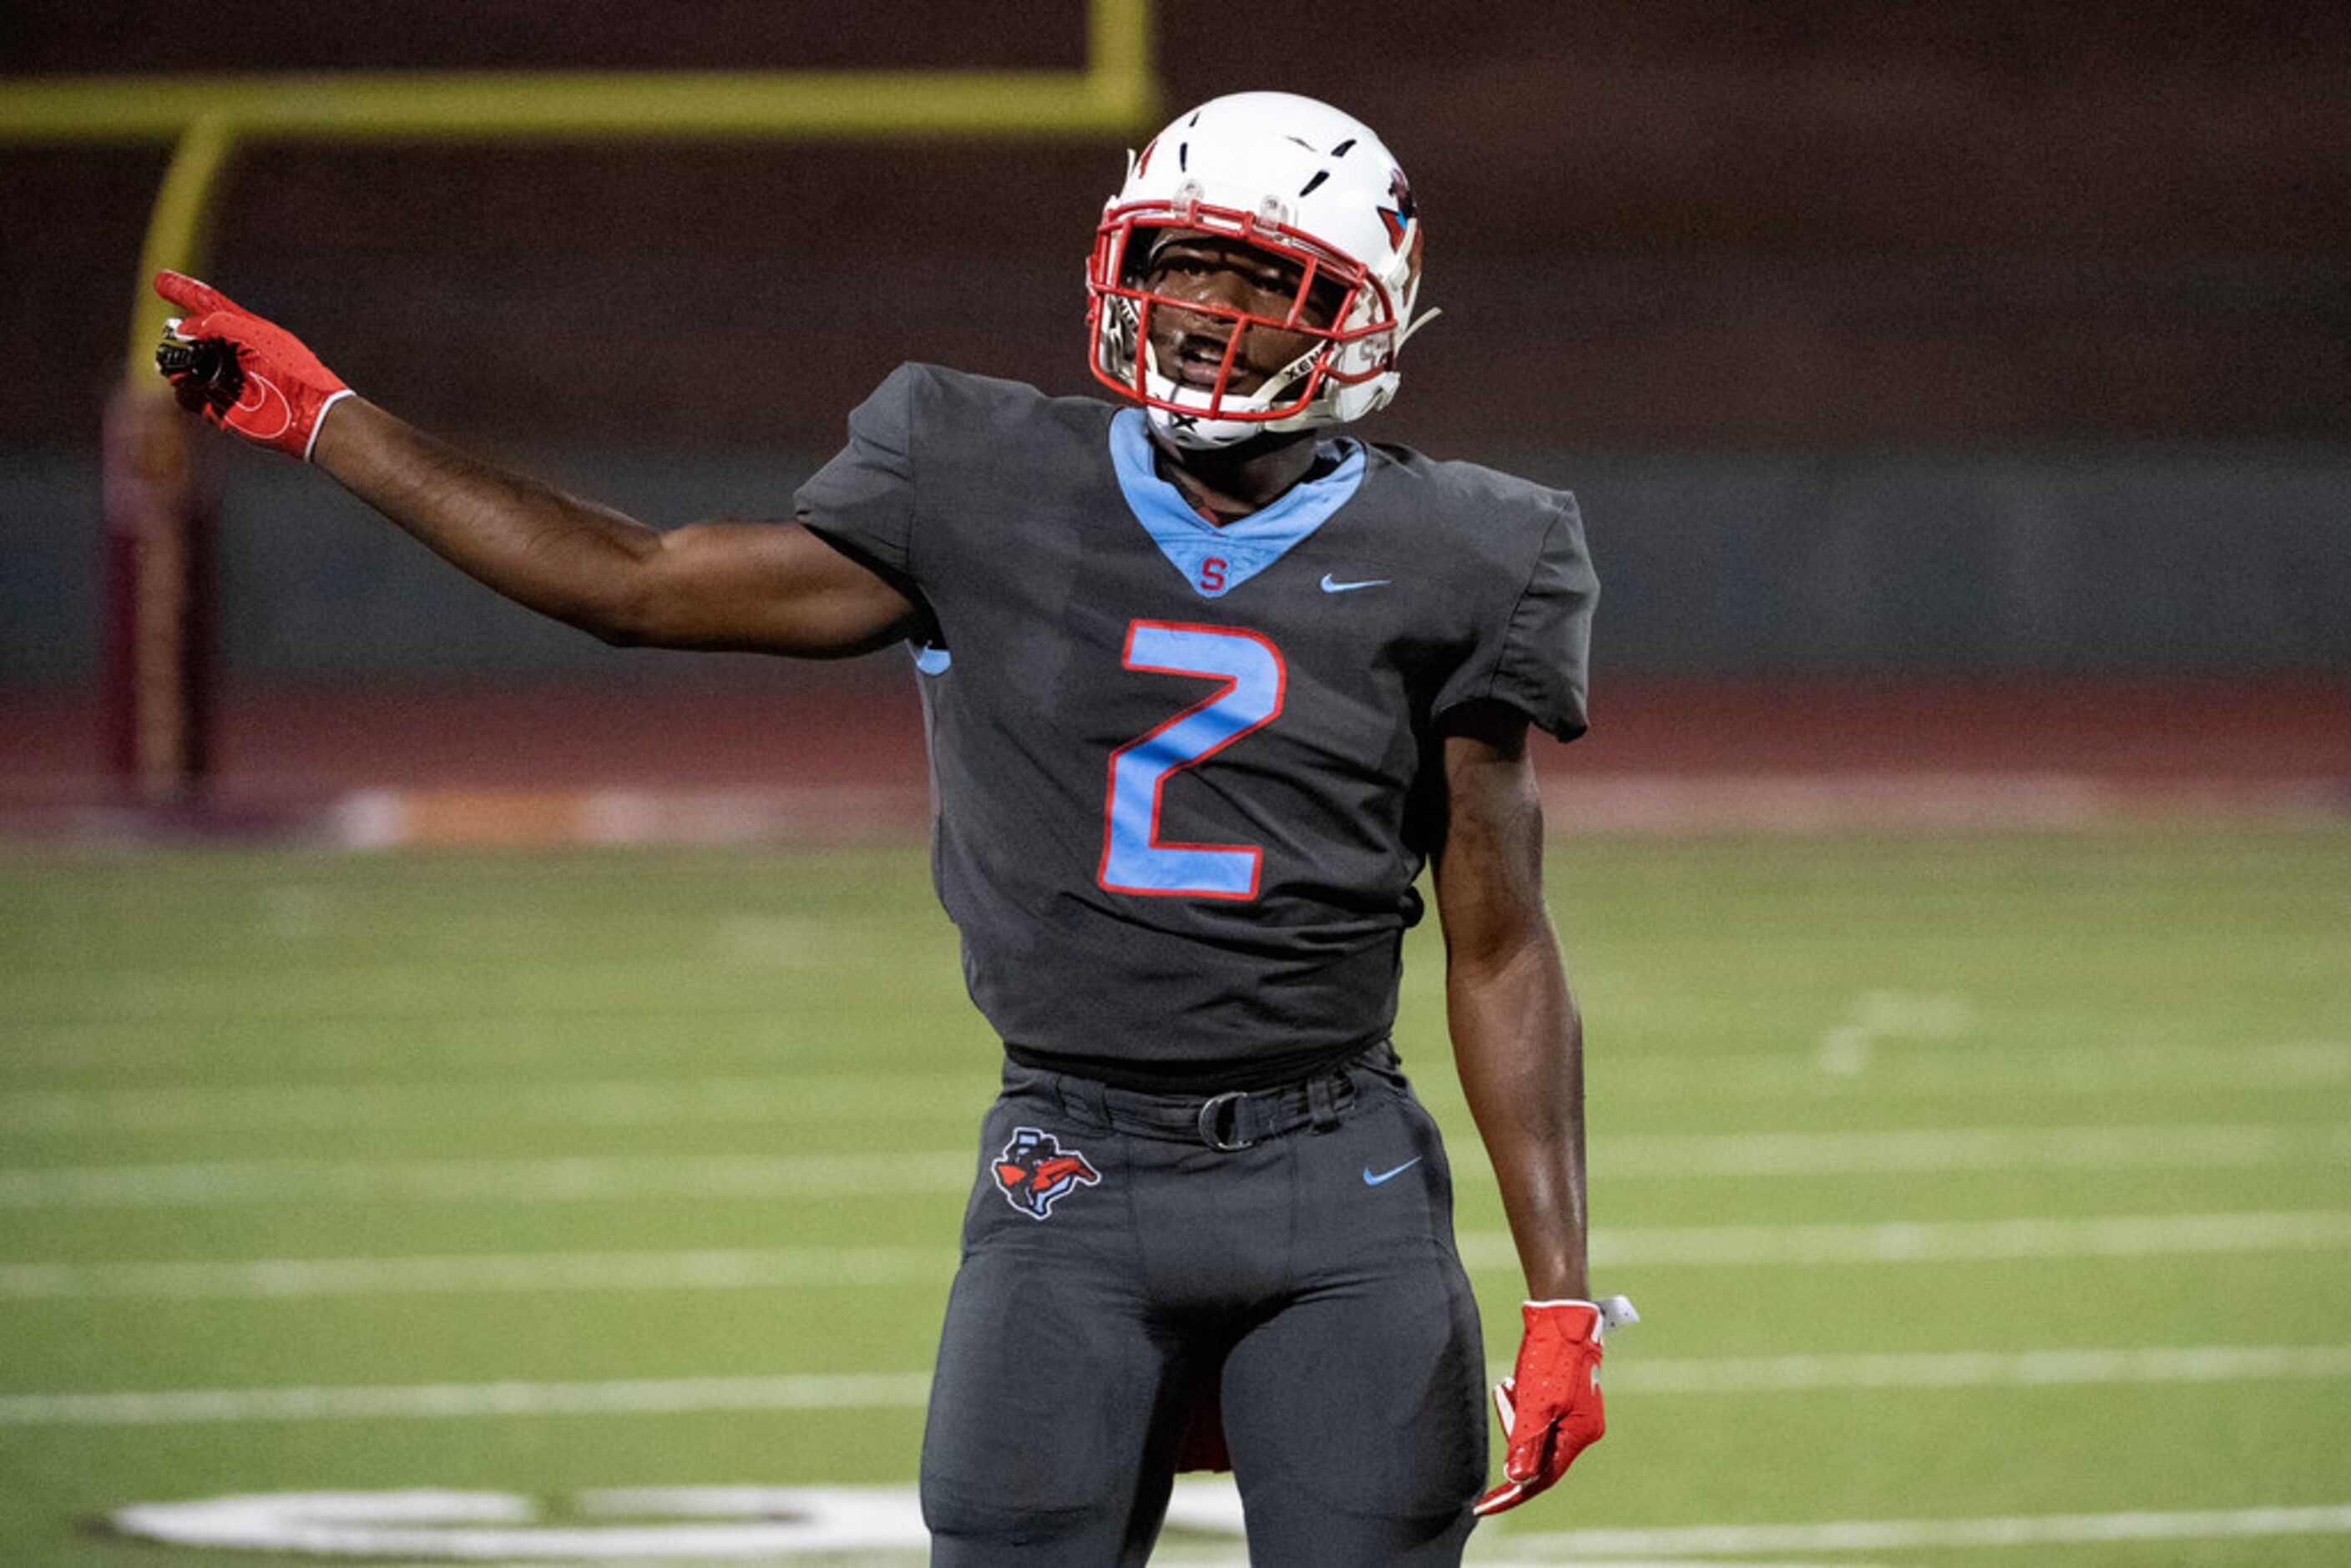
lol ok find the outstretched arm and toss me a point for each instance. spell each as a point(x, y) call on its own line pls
point(767, 587)
point(761, 587)
point(1517, 1043)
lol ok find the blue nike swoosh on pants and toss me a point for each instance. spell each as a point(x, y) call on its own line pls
point(1370, 1180)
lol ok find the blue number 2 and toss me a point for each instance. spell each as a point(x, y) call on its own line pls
point(1253, 675)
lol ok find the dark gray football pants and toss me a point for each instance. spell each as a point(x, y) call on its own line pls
point(1312, 1275)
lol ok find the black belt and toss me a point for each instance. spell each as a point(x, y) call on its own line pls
point(1231, 1121)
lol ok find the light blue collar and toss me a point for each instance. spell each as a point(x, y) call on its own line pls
point(1216, 561)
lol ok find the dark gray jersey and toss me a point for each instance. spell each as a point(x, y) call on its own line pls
point(1183, 772)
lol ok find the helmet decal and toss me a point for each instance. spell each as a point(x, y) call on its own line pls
point(1398, 218)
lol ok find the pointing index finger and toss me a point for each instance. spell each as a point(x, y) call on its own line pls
point(190, 294)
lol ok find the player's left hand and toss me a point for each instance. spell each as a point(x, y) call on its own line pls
point(250, 377)
point(1550, 1405)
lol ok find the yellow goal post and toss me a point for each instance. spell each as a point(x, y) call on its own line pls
point(156, 579)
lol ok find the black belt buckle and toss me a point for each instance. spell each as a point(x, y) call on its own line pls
point(1220, 1117)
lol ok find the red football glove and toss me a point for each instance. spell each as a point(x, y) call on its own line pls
point(241, 372)
point(1550, 1405)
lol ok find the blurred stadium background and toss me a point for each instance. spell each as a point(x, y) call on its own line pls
point(1953, 393)
point(1961, 404)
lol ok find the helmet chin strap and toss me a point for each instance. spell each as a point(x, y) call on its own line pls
point(1197, 435)
point(1200, 433)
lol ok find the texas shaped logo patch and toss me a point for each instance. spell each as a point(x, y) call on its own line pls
point(1034, 1172)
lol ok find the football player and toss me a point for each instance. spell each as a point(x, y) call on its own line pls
point(1208, 681)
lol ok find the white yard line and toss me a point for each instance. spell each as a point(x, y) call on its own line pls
point(640, 1396)
point(1903, 1069)
point(1661, 1157)
point(1647, 1157)
point(829, 1268)
point(1978, 1369)
point(708, 1524)
point(515, 1181)
point(1912, 1069)
point(718, 1099)
point(816, 1267)
point(1950, 1241)
point(1912, 1534)
point(1634, 1378)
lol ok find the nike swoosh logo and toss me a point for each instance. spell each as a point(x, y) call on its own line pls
point(266, 402)
point(1370, 1180)
point(1330, 585)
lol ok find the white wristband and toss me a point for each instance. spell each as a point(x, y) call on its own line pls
point(333, 399)
point(1614, 1312)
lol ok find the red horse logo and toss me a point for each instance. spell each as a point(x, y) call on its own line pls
point(1034, 1172)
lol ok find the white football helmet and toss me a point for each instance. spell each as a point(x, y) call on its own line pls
point(1313, 188)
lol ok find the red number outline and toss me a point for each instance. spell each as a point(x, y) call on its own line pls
point(1226, 687)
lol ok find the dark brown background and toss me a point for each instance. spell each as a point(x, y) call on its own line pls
point(1654, 224)
point(1956, 389)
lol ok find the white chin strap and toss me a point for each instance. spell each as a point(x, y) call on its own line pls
point(1201, 432)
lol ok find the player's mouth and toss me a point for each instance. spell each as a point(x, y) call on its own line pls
point(1199, 360)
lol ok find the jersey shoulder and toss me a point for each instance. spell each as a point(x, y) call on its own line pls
point(1509, 555)
point(943, 402)
point(1468, 489)
point(1472, 511)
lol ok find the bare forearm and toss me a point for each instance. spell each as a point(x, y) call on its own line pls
point(1519, 1045)
point(1517, 1041)
point(559, 555)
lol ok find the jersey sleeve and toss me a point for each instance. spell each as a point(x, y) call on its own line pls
point(1532, 654)
point(865, 498)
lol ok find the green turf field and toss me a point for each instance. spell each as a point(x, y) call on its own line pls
point(1986, 1198)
